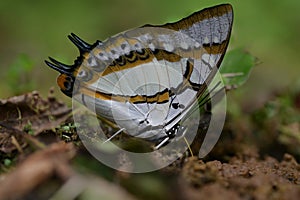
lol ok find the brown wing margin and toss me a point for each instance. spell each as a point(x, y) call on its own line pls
point(198, 16)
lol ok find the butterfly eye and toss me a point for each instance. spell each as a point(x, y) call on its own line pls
point(67, 85)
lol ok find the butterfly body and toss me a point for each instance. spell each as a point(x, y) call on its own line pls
point(146, 80)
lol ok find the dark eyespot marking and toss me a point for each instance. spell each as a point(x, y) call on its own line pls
point(138, 46)
point(144, 121)
point(123, 46)
point(177, 105)
point(90, 60)
point(82, 74)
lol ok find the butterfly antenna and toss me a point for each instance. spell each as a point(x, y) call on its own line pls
point(80, 44)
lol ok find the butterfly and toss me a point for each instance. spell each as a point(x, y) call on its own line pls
point(146, 80)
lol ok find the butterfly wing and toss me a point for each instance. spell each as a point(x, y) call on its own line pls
point(145, 79)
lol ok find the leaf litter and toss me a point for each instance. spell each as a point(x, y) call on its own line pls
point(37, 163)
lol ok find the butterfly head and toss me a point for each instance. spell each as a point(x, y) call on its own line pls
point(66, 79)
point(66, 84)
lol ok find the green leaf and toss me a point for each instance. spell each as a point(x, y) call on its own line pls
point(7, 162)
point(236, 67)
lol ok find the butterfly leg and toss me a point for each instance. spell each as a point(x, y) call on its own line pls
point(179, 129)
point(161, 143)
point(114, 135)
point(182, 130)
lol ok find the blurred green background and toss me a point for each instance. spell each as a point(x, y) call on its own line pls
point(32, 30)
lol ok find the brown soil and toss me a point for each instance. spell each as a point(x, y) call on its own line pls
point(40, 160)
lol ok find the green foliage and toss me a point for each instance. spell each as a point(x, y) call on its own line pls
point(19, 75)
point(7, 162)
point(67, 132)
point(28, 128)
point(236, 67)
point(278, 123)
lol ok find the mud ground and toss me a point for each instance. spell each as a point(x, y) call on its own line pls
point(41, 157)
